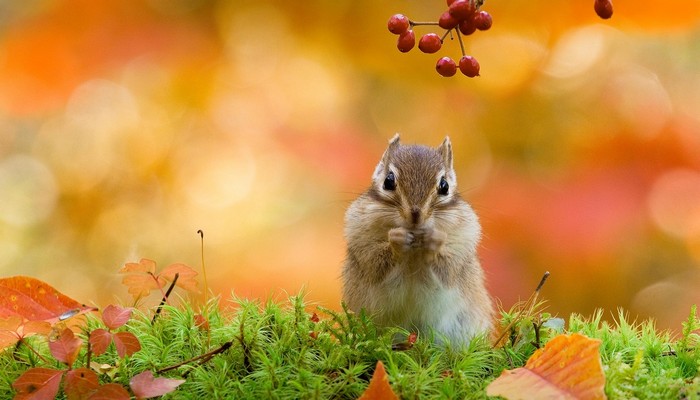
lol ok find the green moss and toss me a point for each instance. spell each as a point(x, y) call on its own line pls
point(278, 352)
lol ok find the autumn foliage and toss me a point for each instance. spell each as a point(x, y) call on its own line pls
point(32, 307)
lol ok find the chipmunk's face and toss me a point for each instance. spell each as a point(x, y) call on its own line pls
point(415, 184)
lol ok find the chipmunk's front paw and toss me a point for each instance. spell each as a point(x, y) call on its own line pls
point(400, 239)
point(431, 239)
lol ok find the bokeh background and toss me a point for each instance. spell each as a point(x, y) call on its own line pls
point(126, 126)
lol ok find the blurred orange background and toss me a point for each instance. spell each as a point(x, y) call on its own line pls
point(126, 126)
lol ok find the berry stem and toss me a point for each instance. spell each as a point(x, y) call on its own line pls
point(447, 32)
point(461, 44)
point(416, 23)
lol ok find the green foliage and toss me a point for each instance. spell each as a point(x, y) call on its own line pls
point(281, 351)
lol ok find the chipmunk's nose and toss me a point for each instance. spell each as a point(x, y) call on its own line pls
point(415, 215)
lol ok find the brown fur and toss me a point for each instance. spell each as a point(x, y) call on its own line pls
point(411, 253)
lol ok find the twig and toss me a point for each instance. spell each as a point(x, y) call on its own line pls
point(203, 357)
point(165, 298)
point(529, 305)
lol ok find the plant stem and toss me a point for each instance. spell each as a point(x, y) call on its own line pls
point(165, 298)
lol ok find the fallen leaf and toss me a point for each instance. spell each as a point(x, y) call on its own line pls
point(314, 318)
point(567, 367)
point(38, 384)
point(145, 386)
point(126, 343)
point(115, 316)
point(379, 388)
point(80, 384)
point(111, 391)
point(66, 348)
point(35, 300)
point(99, 341)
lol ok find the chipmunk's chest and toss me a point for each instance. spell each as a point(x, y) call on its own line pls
point(415, 299)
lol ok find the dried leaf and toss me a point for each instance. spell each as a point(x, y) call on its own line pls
point(99, 341)
point(568, 367)
point(145, 386)
point(80, 384)
point(66, 348)
point(38, 384)
point(110, 391)
point(115, 316)
point(126, 343)
point(379, 388)
point(35, 300)
point(186, 278)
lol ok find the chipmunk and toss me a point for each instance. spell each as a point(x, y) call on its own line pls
point(411, 248)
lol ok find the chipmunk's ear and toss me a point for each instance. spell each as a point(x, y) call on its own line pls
point(445, 150)
point(379, 171)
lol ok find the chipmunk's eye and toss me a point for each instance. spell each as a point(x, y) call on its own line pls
point(443, 187)
point(390, 181)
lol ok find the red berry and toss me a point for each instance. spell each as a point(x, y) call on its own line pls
point(446, 67)
point(449, 2)
point(406, 41)
point(398, 24)
point(447, 21)
point(462, 9)
point(430, 43)
point(469, 66)
point(603, 8)
point(467, 27)
point(482, 20)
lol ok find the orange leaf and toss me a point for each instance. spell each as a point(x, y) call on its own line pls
point(36, 300)
point(38, 384)
point(66, 348)
point(14, 328)
point(568, 367)
point(379, 388)
point(186, 278)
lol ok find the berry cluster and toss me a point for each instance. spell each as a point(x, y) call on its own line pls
point(462, 17)
point(603, 8)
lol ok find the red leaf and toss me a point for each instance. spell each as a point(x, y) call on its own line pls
point(35, 300)
point(66, 348)
point(145, 386)
point(126, 343)
point(115, 316)
point(379, 388)
point(412, 337)
point(99, 341)
point(80, 384)
point(314, 318)
point(38, 384)
point(201, 322)
point(186, 278)
point(111, 391)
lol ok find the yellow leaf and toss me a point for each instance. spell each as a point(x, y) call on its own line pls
point(568, 367)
